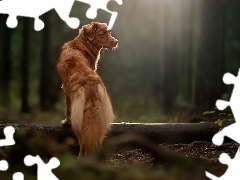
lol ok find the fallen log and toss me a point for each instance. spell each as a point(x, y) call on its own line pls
point(171, 133)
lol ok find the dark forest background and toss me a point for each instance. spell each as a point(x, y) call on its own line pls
point(169, 65)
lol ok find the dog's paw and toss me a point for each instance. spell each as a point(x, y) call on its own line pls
point(66, 123)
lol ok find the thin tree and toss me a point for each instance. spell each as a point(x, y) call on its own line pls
point(5, 62)
point(45, 74)
point(169, 26)
point(25, 66)
point(210, 60)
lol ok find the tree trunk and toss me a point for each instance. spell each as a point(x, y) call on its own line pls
point(209, 69)
point(45, 71)
point(25, 66)
point(186, 47)
point(5, 62)
point(168, 52)
point(2, 26)
point(159, 132)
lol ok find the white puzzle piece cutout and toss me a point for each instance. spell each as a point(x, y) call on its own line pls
point(8, 141)
point(232, 131)
point(233, 172)
point(8, 132)
point(44, 171)
point(36, 8)
point(3, 165)
point(100, 4)
point(18, 176)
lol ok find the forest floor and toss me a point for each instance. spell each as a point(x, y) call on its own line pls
point(199, 150)
point(203, 156)
point(181, 162)
point(139, 163)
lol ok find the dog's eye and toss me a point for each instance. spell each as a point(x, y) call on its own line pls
point(102, 32)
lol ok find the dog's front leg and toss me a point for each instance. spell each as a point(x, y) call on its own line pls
point(67, 122)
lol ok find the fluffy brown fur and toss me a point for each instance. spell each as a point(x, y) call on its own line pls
point(88, 108)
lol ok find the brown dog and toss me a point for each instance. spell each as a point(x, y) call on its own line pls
point(88, 108)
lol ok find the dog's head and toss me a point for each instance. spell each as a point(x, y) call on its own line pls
point(99, 35)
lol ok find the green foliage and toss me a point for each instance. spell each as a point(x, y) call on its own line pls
point(208, 112)
point(219, 123)
point(221, 116)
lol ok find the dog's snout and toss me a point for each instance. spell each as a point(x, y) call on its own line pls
point(115, 42)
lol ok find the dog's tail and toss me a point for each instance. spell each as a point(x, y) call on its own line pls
point(77, 110)
point(105, 109)
point(91, 117)
point(98, 116)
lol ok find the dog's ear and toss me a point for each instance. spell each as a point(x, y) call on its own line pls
point(90, 31)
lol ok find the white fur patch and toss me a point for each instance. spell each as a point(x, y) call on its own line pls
point(101, 91)
point(78, 105)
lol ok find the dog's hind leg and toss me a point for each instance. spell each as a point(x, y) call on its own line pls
point(82, 149)
point(67, 122)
